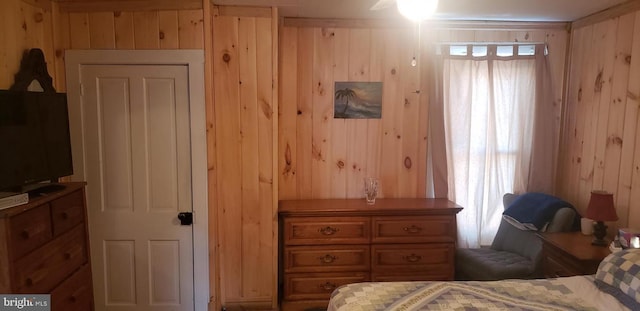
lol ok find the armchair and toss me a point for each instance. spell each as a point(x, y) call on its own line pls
point(514, 253)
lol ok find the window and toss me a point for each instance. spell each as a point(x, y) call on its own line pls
point(488, 103)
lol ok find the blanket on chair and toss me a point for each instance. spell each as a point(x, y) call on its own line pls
point(533, 210)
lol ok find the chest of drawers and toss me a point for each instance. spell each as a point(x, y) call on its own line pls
point(569, 254)
point(328, 243)
point(44, 249)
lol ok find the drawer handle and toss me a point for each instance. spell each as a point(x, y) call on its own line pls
point(28, 282)
point(328, 286)
point(412, 229)
point(412, 258)
point(25, 234)
point(67, 256)
point(65, 215)
point(328, 258)
point(328, 230)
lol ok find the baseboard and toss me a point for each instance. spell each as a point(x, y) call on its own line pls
point(304, 305)
point(247, 306)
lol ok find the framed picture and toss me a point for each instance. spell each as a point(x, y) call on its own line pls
point(358, 100)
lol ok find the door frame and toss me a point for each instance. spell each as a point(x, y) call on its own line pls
point(194, 60)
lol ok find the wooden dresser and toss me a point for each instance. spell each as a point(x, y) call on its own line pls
point(570, 253)
point(328, 243)
point(44, 249)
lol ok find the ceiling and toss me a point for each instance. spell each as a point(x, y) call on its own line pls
point(495, 10)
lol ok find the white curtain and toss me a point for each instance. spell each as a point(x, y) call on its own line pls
point(488, 109)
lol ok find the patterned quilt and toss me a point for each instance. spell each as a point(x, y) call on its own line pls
point(499, 295)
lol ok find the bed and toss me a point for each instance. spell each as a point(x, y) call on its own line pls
point(615, 286)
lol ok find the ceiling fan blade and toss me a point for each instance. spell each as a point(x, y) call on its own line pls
point(382, 4)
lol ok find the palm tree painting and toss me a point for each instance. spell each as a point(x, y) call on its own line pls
point(358, 100)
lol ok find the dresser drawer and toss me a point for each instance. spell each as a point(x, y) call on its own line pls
point(427, 259)
point(318, 285)
point(43, 269)
point(29, 230)
point(402, 229)
point(75, 293)
point(67, 212)
point(326, 230)
point(326, 258)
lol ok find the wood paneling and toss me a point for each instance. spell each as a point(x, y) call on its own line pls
point(166, 29)
point(245, 109)
point(600, 147)
point(323, 157)
point(318, 156)
point(125, 30)
point(25, 25)
point(251, 275)
point(615, 11)
point(190, 29)
point(123, 25)
point(127, 5)
point(239, 135)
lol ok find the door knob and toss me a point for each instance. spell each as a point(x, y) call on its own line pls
point(186, 218)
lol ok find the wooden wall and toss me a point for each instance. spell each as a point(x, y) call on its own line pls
point(243, 237)
point(126, 30)
point(240, 119)
point(601, 139)
point(42, 24)
point(245, 117)
point(323, 157)
point(24, 25)
point(318, 157)
point(57, 26)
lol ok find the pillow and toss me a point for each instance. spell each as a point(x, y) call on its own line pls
point(619, 275)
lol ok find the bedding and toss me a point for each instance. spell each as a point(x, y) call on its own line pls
point(569, 293)
point(619, 275)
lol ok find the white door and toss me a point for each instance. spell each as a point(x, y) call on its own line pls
point(137, 164)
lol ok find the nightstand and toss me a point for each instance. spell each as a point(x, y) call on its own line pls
point(569, 254)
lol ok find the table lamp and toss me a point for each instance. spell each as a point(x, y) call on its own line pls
point(601, 209)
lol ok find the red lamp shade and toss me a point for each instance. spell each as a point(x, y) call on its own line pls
point(601, 207)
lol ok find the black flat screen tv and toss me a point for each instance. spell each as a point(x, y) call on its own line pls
point(35, 145)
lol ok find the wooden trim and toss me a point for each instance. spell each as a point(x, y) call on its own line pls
point(263, 3)
point(344, 23)
point(401, 23)
point(614, 11)
point(248, 304)
point(563, 130)
point(43, 4)
point(275, 169)
point(127, 5)
point(244, 11)
point(498, 25)
point(196, 62)
point(212, 197)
